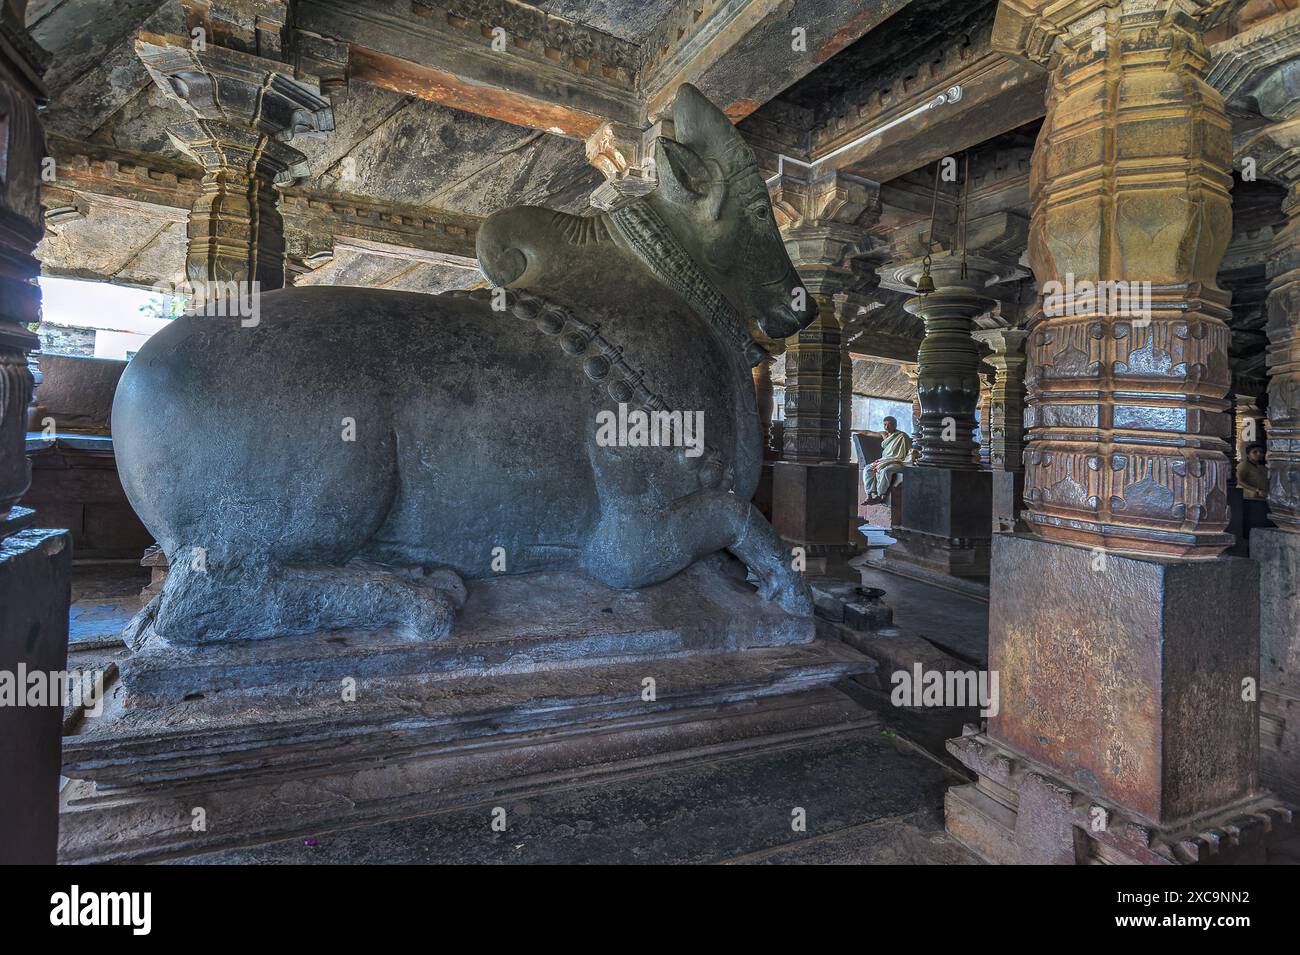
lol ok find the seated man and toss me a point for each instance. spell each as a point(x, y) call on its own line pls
point(1252, 475)
point(895, 451)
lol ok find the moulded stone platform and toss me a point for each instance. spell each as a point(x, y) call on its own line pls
point(508, 624)
point(562, 695)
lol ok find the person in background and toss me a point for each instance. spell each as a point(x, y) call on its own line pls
point(1252, 475)
point(895, 451)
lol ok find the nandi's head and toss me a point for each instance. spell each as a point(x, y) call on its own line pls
point(716, 203)
point(712, 200)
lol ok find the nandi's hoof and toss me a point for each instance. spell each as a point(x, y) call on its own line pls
point(431, 609)
point(795, 599)
point(789, 593)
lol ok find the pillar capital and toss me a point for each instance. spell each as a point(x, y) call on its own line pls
point(1046, 32)
point(625, 157)
point(241, 112)
point(222, 85)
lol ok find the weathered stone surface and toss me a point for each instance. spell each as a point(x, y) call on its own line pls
point(867, 798)
point(1277, 552)
point(947, 522)
point(76, 392)
point(1016, 814)
point(35, 568)
point(814, 503)
point(508, 624)
point(691, 259)
point(412, 745)
point(1126, 676)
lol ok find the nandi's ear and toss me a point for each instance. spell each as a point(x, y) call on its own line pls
point(687, 180)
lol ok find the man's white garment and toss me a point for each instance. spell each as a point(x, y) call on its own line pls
point(894, 452)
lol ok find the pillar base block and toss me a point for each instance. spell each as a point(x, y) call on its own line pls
point(35, 582)
point(1018, 813)
point(812, 504)
point(946, 523)
point(1135, 679)
point(1278, 554)
point(1008, 501)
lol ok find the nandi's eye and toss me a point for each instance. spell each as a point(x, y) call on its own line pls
point(761, 212)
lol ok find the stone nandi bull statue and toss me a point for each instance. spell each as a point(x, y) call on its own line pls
point(347, 460)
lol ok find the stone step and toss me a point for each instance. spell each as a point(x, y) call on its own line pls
point(266, 766)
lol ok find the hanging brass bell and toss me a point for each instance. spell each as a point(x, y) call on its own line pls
point(925, 284)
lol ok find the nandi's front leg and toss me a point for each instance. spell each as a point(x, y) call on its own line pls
point(638, 548)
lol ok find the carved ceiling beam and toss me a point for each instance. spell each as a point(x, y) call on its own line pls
point(134, 185)
point(496, 58)
point(410, 230)
point(998, 94)
point(741, 53)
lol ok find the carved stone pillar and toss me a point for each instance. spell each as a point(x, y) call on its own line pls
point(815, 488)
point(763, 396)
point(949, 358)
point(985, 411)
point(846, 403)
point(242, 111)
point(1004, 430)
point(35, 564)
point(947, 521)
point(1259, 75)
point(1095, 753)
point(813, 388)
point(914, 381)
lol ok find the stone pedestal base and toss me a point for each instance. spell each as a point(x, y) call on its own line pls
point(947, 523)
point(813, 504)
point(35, 580)
point(1127, 687)
point(1017, 813)
point(1008, 496)
point(545, 676)
point(1132, 677)
point(1278, 555)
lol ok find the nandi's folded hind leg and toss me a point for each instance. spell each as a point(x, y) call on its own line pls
point(259, 600)
point(636, 549)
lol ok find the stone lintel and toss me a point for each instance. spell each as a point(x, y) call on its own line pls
point(740, 55)
point(551, 73)
point(997, 95)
